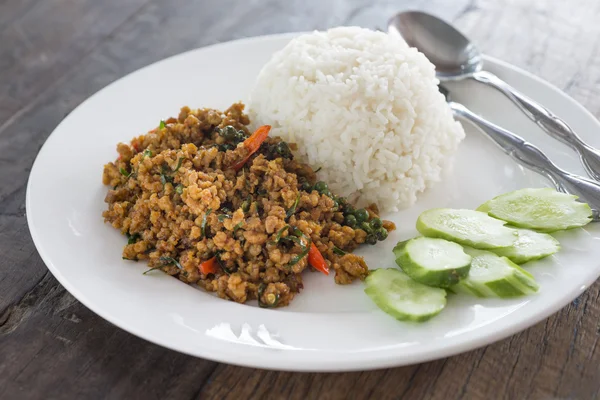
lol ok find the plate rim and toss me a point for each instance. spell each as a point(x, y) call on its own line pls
point(305, 366)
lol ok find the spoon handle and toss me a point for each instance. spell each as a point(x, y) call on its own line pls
point(533, 158)
point(545, 119)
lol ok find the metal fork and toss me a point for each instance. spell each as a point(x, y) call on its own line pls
point(531, 157)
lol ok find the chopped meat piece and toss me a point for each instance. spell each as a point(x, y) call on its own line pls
point(242, 233)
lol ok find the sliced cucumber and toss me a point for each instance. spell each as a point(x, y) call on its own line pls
point(495, 276)
point(398, 295)
point(530, 245)
point(433, 262)
point(485, 207)
point(467, 227)
point(542, 209)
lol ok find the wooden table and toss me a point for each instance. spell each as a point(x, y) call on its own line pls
point(56, 53)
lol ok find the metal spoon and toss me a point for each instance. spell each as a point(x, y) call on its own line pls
point(531, 157)
point(456, 58)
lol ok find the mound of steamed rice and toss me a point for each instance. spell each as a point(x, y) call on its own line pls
point(365, 108)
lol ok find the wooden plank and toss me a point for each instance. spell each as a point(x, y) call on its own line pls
point(42, 48)
point(51, 346)
point(46, 38)
point(61, 350)
point(14, 10)
point(45, 334)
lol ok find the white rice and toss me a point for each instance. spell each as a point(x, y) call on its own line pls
point(363, 106)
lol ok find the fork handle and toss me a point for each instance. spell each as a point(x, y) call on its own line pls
point(533, 158)
point(548, 121)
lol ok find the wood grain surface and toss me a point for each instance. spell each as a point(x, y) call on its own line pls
point(56, 53)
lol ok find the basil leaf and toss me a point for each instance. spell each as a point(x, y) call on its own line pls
point(203, 225)
point(279, 233)
point(169, 261)
point(152, 269)
point(124, 172)
point(178, 164)
point(292, 210)
point(131, 239)
point(238, 226)
point(339, 251)
point(163, 179)
point(223, 217)
point(296, 259)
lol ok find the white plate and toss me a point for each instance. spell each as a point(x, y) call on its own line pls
point(327, 327)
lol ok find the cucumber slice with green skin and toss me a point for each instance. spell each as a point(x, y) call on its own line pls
point(433, 262)
point(495, 276)
point(485, 207)
point(467, 227)
point(530, 245)
point(543, 209)
point(398, 295)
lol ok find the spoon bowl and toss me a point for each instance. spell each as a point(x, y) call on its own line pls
point(453, 55)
